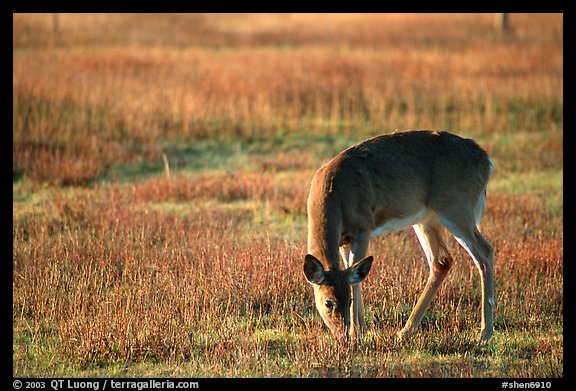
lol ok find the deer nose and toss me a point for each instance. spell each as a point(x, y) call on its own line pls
point(342, 337)
point(347, 331)
point(341, 333)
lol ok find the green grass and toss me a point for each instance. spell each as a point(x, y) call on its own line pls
point(545, 184)
point(510, 354)
point(274, 352)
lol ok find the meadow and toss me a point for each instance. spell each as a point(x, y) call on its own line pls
point(161, 165)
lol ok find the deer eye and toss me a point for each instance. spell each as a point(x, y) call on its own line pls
point(330, 304)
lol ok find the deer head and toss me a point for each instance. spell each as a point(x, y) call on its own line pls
point(333, 291)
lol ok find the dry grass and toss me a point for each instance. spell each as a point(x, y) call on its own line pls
point(358, 82)
point(120, 271)
point(105, 279)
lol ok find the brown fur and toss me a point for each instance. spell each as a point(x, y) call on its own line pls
point(384, 179)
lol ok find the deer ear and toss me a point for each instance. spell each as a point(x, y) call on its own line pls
point(313, 270)
point(359, 270)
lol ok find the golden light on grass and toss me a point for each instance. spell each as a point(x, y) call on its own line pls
point(118, 270)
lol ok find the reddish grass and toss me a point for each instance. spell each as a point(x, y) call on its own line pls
point(117, 282)
point(352, 81)
point(199, 270)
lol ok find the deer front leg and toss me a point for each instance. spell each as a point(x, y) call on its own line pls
point(357, 310)
point(352, 253)
point(357, 306)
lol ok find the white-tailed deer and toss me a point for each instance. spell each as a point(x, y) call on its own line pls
point(423, 179)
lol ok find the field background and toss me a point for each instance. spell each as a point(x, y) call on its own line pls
point(124, 268)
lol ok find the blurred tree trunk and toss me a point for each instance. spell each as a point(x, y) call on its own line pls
point(55, 23)
point(502, 22)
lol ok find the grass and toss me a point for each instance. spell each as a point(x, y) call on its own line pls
point(119, 271)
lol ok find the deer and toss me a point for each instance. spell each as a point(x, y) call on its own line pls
point(418, 178)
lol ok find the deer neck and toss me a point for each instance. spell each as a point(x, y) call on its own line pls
point(325, 230)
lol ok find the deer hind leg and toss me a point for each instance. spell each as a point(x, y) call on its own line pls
point(439, 263)
point(468, 236)
point(351, 253)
